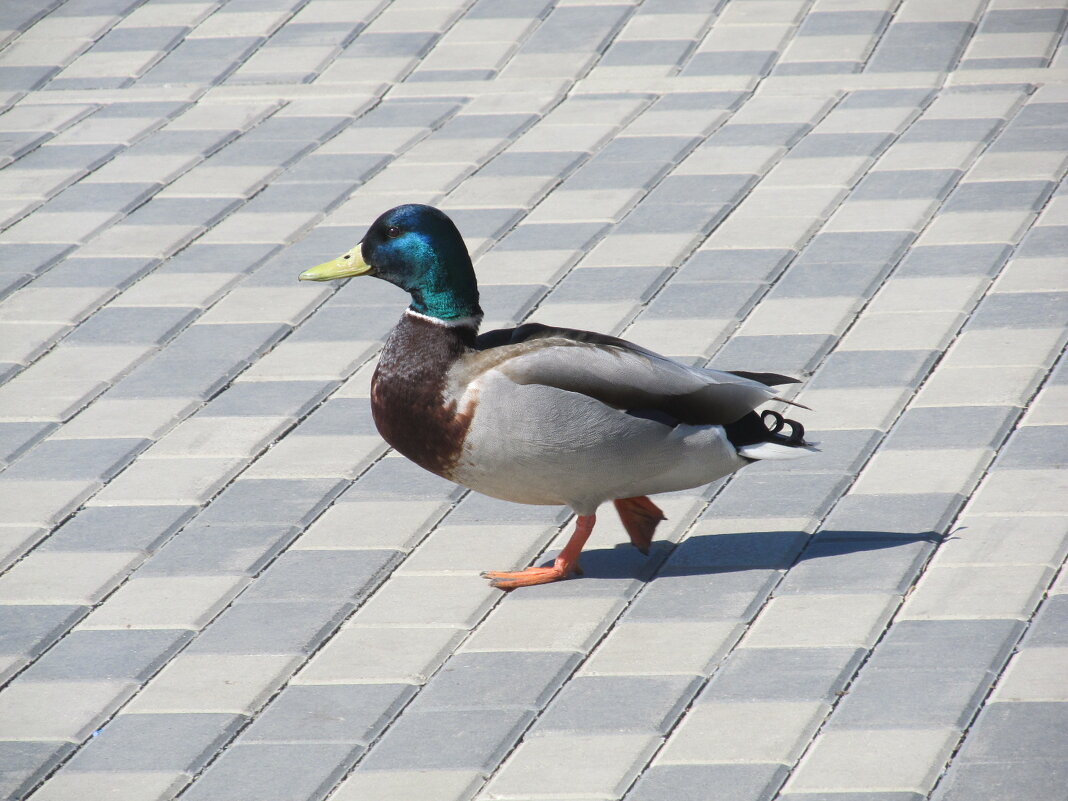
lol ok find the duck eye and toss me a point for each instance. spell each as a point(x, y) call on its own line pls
point(393, 232)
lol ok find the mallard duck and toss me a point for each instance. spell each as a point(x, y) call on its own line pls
point(545, 415)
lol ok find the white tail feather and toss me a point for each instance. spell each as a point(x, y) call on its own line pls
point(777, 451)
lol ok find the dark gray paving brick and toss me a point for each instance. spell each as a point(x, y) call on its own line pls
point(413, 44)
point(493, 126)
point(18, 437)
point(893, 515)
point(793, 354)
point(273, 627)
point(552, 236)
point(783, 674)
point(328, 576)
point(1023, 62)
point(757, 550)
point(726, 300)
point(119, 272)
point(1024, 20)
point(667, 149)
point(400, 479)
point(298, 34)
point(901, 184)
point(824, 145)
point(203, 211)
point(957, 130)
point(753, 782)
point(219, 258)
point(338, 416)
point(512, 301)
point(1021, 310)
point(119, 528)
point(272, 398)
point(704, 595)
point(329, 167)
point(874, 368)
point(779, 495)
point(858, 796)
point(204, 549)
point(30, 629)
point(118, 197)
point(76, 459)
point(952, 427)
point(602, 704)
point(732, 62)
point(273, 500)
point(970, 646)
point(887, 98)
point(1050, 625)
point(486, 222)
point(577, 29)
point(532, 163)
point(1018, 732)
point(703, 189)
point(667, 218)
point(1000, 195)
point(843, 23)
point(159, 741)
point(476, 509)
point(30, 259)
point(509, 9)
point(203, 61)
point(311, 196)
point(133, 655)
point(132, 325)
point(1035, 447)
point(157, 37)
point(1044, 242)
point(1041, 115)
point(920, 46)
point(24, 763)
point(265, 772)
point(448, 739)
point(69, 157)
point(317, 129)
point(783, 134)
point(647, 52)
point(200, 360)
point(861, 564)
point(249, 151)
point(818, 68)
point(336, 713)
point(936, 260)
point(837, 279)
point(169, 142)
point(603, 174)
point(1002, 781)
point(902, 699)
point(1013, 140)
point(497, 680)
point(402, 113)
point(854, 248)
point(840, 452)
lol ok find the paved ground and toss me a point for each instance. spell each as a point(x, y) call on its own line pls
point(218, 582)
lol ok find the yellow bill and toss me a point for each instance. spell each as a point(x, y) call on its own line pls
point(344, 266)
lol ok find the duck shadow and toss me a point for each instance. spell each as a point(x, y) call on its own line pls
point(705, 554)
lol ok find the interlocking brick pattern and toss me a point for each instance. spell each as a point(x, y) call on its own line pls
point(218, 583)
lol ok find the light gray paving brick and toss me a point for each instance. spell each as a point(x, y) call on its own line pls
point(897, 514)
point(783, 674)
point(948, 260)
point(952, 427)
point(132, 655)
point(76, 459)
point(448, 739)
point(265, 771)
point(497, 680)
point(704, 595)
point(159, 741)
point(605, 704)
point(272, 627)
point(23, 763)
point(223, 548)
point(743, 782)
point(859, 564)
point(337, 713)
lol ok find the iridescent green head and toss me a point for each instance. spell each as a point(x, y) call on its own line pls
point(419, 249)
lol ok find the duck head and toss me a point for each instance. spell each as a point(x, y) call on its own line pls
point(419, 249)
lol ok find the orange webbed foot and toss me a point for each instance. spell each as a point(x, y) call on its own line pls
point(640, 517)
point(566, 563)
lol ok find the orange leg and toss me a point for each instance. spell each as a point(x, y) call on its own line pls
point(640, 517)
point(566, 563)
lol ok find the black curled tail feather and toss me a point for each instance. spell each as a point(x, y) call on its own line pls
point(766, 427)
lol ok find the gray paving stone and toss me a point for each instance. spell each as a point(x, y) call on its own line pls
point(824, 145)
point(1026, 62)
point(328, 576)
point(203, 61)
point(837, 279)
point(862, 564)
point(30, 630)
point(272, 627)
point(796, 354)
point(337, 713)
point(159, 741)
point(897, 514)
point(249, 151)
point(490, 126)
point(169, 143)
point(1018, 732)
point(509, 9)
point(200, 360)
point(731, 62)
point(296, 34)
point(970, 646)
point(577, 29)
point(668, 218)
point(1034, 447)
point(268, 398)
point(76, 459)
point(874, 368)
point(132, 655)
point(1020, 310)
point(273, 500)
point(497, 680)
point(317, 129)
point(856, 247)
point(1045, 241)
point(817, 68)
point(75, 157)
point(330, 167)
point(205, 211)
point(843, 452)
point(904, 699)
point(550, 162)
point(703, 189)
point(901, 184)
point(842, 23)
point(399, 479)
point(667, 149)
point(161, 37)
point(780, 495)
point(403, 113)
point(704, 595)
point(119, 197)
point(23, 763)
point(31, 259)
point(646, 52)
point(1050, 624)
point(757, 550)
point(552, 236)
point(1024, 20)
point(783, 134)
point(337, 322)
point(858, 796)
point(338, 416)
point(952, 427)
point(596, 704)
point(448, 739)
point(132, 325)
point(119, 271)
point(956, 130)
point(783, 674)
point(1000, 195)
point(265, 772)
point(603, 174)
point(887, 98)
point(224, 548)
point(1041, 115)
point(118, 528)
point(742, 782)
point(945, 260)
point(17, 437)
point(1002, 781)
point(199, 258)
point(726, 300)
point(920, 46)
point(1011, 140)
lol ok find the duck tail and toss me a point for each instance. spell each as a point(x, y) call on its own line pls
point(758, 436)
